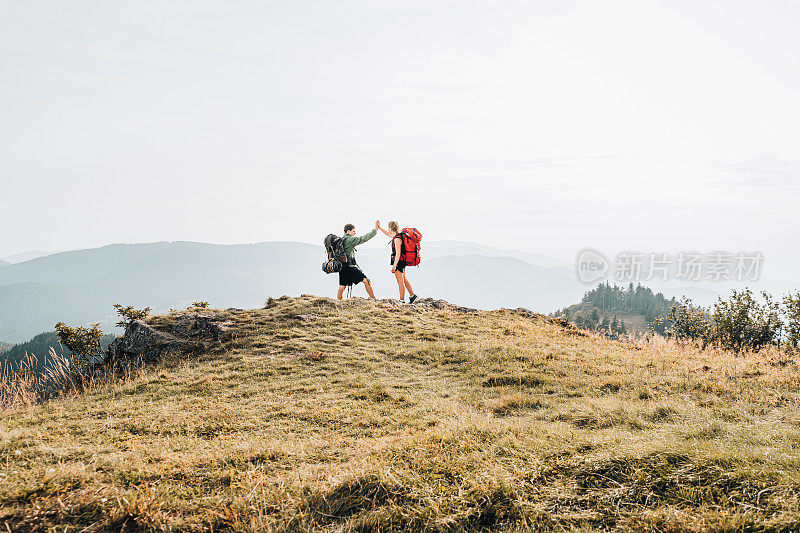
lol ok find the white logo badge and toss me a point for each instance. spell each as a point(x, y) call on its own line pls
point(591, 265)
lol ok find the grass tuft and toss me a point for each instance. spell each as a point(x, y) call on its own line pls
point(512, 380)
point(351, 497)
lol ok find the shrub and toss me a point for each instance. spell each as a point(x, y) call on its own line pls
point(129, 314)
point(201, 303)
point(689, 322)
point(740, 323)
point(744, 323)
point(791, 310)
point(83, 342)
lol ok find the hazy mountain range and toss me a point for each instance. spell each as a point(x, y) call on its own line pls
point(24, 256)
point(80, 287)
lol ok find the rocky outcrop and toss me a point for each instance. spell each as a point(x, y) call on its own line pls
point(197, 326)
point(427, 304)
point(141, 342)
point(430, 303)
point(146, 343)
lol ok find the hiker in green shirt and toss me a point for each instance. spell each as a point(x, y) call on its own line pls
point(350, 273)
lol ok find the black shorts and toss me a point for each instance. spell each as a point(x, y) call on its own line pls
point(351, 275)
point(401, 266)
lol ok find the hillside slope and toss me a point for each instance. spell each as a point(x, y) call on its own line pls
point(356, 416)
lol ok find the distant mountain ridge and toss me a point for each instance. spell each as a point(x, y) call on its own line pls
point(450, 247)
point(81, 286)
point(24, 256)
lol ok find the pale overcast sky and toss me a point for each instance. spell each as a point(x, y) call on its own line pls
point(540, 125)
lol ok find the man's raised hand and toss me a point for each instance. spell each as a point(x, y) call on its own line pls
point(377, 224)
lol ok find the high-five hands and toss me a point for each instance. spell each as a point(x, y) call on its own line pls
point(377, 224)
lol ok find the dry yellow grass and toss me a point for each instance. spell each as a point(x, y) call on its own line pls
point(357, 416)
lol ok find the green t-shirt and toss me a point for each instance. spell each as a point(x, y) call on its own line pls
point(350, 243)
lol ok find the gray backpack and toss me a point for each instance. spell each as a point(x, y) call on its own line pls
point(334, 246)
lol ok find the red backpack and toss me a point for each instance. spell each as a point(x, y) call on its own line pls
point(411, 238)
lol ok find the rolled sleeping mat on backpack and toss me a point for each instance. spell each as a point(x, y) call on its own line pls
point(331, 266)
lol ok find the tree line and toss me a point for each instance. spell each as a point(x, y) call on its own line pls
point(600, 308)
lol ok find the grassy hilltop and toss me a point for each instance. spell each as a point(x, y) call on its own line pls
point(357, 416)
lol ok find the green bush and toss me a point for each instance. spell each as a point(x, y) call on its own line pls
point(129, 314)
point(85, 343)
point(791, 311)
point(744, 323)
point(689, 322)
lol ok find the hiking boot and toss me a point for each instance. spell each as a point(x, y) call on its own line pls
point(412, 298)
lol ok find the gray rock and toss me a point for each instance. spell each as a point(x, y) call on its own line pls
point(430, 303)
point(198, 326)
point(144, 343)
point(427, 304)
